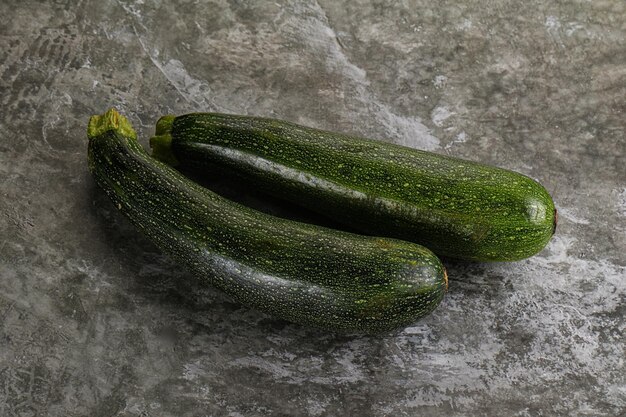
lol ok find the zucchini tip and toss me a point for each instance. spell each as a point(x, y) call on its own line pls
point(556, 220)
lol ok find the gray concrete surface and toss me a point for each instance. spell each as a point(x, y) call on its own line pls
point(96, 322)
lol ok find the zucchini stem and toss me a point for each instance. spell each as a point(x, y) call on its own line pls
point(162, 149)
point(110, 120)
point(161, 142)
point(164, 125)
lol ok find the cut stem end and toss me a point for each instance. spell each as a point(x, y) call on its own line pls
point(111, 120)
point(162, 149)
point(164, 125)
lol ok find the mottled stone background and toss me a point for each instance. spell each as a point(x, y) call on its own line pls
point(96, 322)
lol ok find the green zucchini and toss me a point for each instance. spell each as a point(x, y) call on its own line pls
point(295, 271)
point(452, 206)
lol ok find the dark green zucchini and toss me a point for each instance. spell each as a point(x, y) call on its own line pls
point(299, 272)
point(452, 206)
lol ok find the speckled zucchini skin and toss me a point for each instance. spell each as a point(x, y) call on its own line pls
point(452, 206)
point(299, 272)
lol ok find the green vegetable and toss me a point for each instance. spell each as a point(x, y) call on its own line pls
point(454, 207)
point(299, 272)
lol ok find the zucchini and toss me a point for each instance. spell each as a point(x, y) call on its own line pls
point(452, 206)
point(295, 271)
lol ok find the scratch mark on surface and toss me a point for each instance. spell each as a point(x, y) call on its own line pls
point(403, 130)
point(191, 90)
point(157, 64)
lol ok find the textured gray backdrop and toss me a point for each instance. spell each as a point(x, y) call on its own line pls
point(96, 322)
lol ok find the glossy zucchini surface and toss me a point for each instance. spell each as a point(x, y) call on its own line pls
point(454, 207)
point(298, 272)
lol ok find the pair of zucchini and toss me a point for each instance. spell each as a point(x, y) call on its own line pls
point(305, 273)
